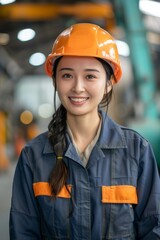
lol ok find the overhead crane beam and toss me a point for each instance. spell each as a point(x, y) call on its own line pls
point(47, 11)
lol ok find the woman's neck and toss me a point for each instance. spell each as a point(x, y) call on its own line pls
point(84, 129)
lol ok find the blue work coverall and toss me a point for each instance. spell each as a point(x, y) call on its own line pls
point(115, 197)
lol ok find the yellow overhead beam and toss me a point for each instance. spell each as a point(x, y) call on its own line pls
point(47, 11)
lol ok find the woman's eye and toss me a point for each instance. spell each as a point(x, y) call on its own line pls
point(66, 75)
point(90, 77)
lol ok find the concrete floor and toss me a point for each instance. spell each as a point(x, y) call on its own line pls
point(6, 179)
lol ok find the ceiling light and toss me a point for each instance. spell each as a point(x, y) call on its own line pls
point(26, 34)
point(123, 48)
point(3, 2)
point(150, 7)
point(37, 59)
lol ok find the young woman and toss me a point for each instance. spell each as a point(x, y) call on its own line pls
point(87, 177)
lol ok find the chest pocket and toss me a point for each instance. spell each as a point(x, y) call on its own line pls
point(54, 212)
point(118, 214)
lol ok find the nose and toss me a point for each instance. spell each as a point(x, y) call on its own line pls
point(78, 85)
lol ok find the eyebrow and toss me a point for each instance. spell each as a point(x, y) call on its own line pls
point(62, 69)
point(92, 70)
point(87, 69)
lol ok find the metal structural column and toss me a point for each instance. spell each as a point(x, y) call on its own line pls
point(140, 56)
point(145, 82)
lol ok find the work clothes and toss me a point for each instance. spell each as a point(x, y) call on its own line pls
point(84, 156)
point(115, 197)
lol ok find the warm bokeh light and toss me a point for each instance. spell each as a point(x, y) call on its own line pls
point(26, 117)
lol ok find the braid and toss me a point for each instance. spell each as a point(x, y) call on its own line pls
point(57, 128)
point(56, 136)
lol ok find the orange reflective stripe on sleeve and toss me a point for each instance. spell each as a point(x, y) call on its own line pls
point(44, 189)
point(119, 194)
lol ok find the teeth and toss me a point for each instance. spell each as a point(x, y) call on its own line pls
point(78, 99)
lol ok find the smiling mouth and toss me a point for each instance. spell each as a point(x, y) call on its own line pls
point(78, 100)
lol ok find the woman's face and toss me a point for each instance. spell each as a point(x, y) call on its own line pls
point(81, 84)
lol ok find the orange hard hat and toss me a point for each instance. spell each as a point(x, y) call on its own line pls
point(86, 40)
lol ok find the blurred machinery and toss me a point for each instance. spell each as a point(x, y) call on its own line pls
point(147, 119)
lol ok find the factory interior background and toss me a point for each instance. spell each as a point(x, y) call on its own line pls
point(27, 31)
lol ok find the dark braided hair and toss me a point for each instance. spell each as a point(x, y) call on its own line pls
point(57, 130)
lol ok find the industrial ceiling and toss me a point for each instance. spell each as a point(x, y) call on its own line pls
point(47, 24)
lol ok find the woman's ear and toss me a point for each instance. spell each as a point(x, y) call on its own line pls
point(109, 86)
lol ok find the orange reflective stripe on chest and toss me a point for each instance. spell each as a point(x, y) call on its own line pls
point(44, 189)
point(119, 194)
